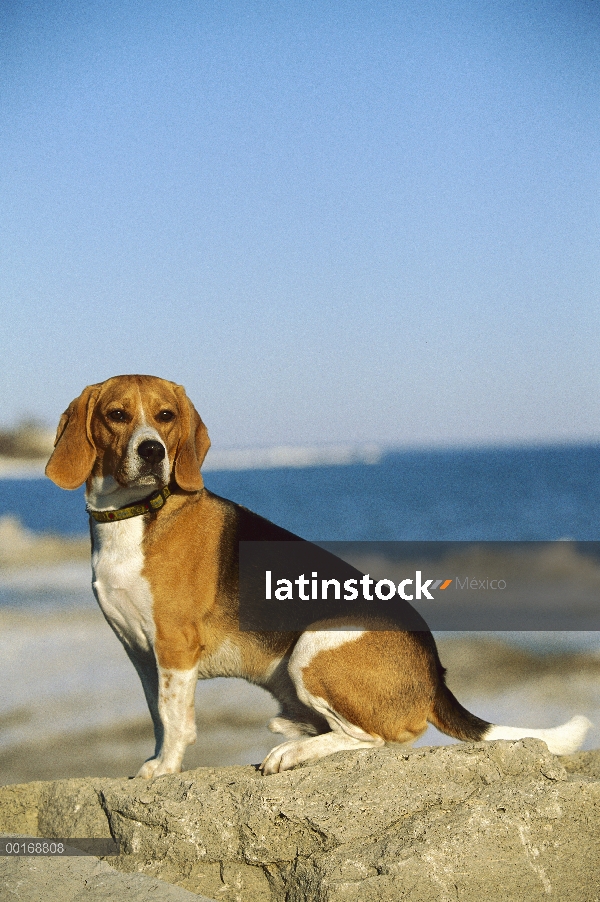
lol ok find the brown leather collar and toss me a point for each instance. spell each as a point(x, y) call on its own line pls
point(153, 502)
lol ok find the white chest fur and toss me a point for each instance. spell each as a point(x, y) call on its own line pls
point(123, 593)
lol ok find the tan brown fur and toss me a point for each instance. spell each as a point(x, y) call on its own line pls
point(74, 453)
point(383, 682)
point(185, 585)
point(194, 612)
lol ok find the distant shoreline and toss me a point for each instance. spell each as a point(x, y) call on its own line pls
point(298, 457)
point(235, 459)
point(20, 468)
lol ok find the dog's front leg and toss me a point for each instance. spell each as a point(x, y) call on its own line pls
point(147, 670)
point(176, 714)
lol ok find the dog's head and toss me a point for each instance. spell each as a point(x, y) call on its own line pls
point(133, 432)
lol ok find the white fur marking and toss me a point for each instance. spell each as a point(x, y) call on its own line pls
point(562, 740)
point(106, 494)
point(133, 462)
point(122, 592)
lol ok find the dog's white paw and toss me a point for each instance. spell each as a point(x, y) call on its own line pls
point(299, 751)
point(281, 758)
point(156, 768)
point(147, 769)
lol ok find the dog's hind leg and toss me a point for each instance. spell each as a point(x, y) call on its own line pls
point(371, 687)
point(343, 734)
point(295, 719)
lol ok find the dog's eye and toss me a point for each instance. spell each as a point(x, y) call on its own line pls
point(117, 415)
point(165, 416)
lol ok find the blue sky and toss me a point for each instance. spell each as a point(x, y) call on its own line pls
point(331, 221)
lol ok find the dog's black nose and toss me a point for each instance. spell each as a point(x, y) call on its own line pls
point(150, 451)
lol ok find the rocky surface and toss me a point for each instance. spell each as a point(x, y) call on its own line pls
point(500, 820)
point(81, 879)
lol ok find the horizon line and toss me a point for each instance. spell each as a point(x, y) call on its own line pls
point(283, 456)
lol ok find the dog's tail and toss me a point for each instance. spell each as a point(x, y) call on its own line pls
point(450, 717)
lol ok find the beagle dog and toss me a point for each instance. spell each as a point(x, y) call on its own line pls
point(164, 560)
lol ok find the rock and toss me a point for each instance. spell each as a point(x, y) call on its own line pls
point(82, 879)
point(502, 819)
point(587, 763)
point(19, 806)
point(73, 809)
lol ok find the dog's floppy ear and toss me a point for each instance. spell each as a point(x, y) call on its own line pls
point(193, 445)
point(74, 452)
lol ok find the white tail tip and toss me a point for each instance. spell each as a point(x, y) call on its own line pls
point(561, 740)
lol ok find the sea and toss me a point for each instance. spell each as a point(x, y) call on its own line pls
point(65, 674)
point(505, 494)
